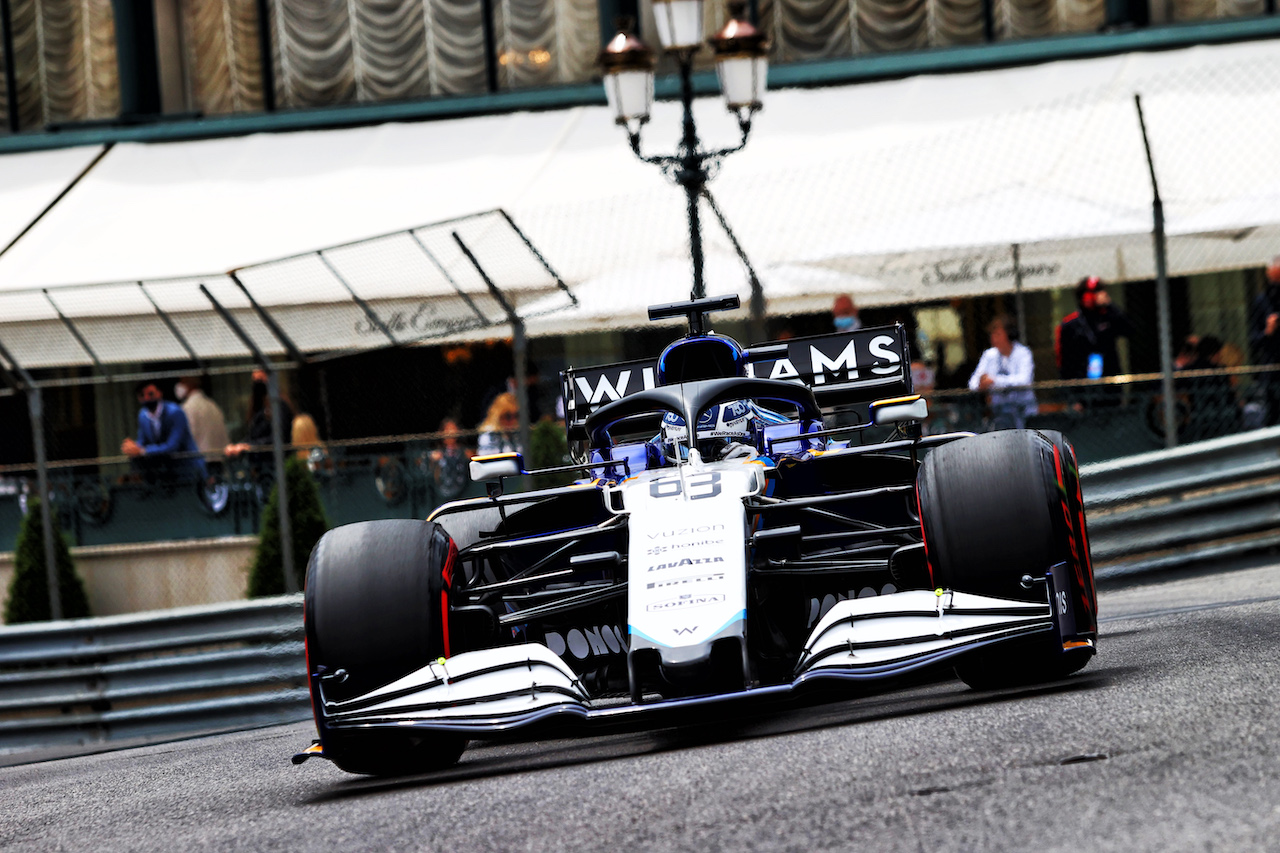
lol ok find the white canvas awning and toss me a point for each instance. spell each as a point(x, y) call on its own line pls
point(895, 191)
point(30, 182)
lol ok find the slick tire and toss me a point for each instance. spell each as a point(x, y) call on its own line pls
point(373, 607)
point(987, 509)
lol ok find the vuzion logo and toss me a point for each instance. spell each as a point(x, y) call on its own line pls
point(685, 531)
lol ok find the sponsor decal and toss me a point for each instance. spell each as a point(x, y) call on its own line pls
point(682, 631)
point(687, 561)
point(818, 607)
point(662, 549)
point(719, 576)
point(584, 643)
point(685, 531)
point(596, 387)
point(829, 359)
point(684, 602)
point(835, 358)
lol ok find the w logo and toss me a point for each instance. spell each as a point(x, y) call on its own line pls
point(605, 388)
point(680, 631)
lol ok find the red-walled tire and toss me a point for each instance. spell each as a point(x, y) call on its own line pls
point(990, 509)
point(373, 602)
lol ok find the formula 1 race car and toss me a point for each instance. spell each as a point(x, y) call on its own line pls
point(756, 554)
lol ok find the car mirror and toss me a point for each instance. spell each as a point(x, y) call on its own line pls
point(899, 410)
point(486, 469)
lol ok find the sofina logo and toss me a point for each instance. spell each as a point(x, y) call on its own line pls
point(684, 602)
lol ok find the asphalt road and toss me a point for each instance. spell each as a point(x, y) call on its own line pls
point(1169, 740)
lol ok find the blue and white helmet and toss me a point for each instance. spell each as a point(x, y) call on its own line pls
point(718, 426)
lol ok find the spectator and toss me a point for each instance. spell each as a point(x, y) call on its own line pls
point(304, 435)
point(1211, 407)
point(497, 430)
point(1009, 365)
point(844, 314)
point(205, 418)
point(1264, 339)
point(1085, 342)
point(163, 432)
point(1188, 353)
point(449, 467)
point(258, 431)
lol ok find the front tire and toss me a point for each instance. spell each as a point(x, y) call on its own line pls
point(375, 606)
point(991, 508)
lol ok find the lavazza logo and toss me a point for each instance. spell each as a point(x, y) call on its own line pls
point(684, 602)
point(687, 561)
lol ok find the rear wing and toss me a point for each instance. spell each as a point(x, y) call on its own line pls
point(841, 369)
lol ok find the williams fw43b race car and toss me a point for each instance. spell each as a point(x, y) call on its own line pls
point(756, 555)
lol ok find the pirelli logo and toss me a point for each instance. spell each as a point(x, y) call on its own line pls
point(680, 582)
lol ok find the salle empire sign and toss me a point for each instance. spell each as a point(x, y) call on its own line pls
point(422, 319)
point(984, 269)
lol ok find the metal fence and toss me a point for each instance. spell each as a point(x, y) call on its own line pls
point(114, 678)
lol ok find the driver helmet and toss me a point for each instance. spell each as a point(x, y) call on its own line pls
point(718, 427)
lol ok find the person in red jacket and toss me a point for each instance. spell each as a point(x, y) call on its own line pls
point(1085, 342)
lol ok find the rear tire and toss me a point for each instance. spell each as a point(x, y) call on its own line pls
point(987, 507)
point(374, 594)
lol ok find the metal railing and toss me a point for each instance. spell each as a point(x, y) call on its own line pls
point(1169, 508)
point(193, 669)
point(234, 666)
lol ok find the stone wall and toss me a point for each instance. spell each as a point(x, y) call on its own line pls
point(156, 575)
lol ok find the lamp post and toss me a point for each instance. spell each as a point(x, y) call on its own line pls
point(741, 53)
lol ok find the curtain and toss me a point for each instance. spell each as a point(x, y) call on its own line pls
point(808, 29)
point(817, 29)
point(954, 22)
point(222, 55)
point(64, 57)
point(541, 42)
point(1195, 10)
point(331, 51)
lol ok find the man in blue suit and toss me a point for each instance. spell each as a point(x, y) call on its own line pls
point(162, 432)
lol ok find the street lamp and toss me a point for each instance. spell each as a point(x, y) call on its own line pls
point(741, 53)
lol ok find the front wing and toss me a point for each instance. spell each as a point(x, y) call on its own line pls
point(507, 688)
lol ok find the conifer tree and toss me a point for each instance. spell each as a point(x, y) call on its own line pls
point(306, 515)
point(29, 590)
point(549, 448)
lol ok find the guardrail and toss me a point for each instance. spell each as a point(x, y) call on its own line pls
point(206, 668)
point(1200, 502)
point(223, 667)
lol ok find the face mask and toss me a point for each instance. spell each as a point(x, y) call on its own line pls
point(180, 391)
point(845, 323)
point(151, 405)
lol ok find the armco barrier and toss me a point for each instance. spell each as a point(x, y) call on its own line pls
point(221, 667)
point(185, 670)
point(1205, 501)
